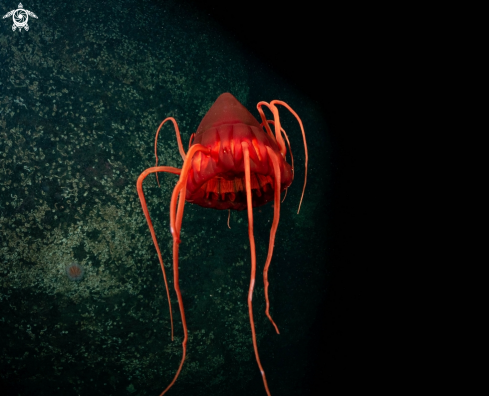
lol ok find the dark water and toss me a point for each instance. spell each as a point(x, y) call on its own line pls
point(81, 95)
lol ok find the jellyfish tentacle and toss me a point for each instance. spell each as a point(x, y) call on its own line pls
point(273, 103)
point(246, 156)
point(179, 141)
point(273, 230)
point(278, 133)
point(176, 216)
point(141, 178)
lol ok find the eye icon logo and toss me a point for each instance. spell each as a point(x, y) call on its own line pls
point(20, 17)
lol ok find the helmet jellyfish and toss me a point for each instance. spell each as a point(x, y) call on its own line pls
point(233, 162)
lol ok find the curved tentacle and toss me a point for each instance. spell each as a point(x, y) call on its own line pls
point(272, 104)
point(246, 156)
point(290, 151)
point(288, 143)
point(139, 185)
point(273, 230)
point(278, 135)
point(179, 141)
point(176, 215)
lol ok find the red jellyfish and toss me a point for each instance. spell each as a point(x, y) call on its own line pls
point(233, 163)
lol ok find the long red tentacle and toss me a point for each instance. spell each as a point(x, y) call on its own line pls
point(176, 215)
point(278, 133)
point(141, 178)
point(273, 103)
point(273, 231)
point(246, 156)
point(179, 141)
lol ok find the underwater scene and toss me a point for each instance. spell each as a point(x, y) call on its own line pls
point(84, 86)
